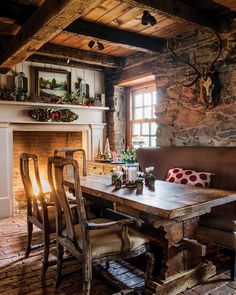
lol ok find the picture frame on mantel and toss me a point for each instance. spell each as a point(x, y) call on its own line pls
point(52, 84)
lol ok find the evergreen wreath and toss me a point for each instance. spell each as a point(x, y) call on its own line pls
point(50, 115)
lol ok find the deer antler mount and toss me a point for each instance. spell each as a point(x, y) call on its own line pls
point(206, 80)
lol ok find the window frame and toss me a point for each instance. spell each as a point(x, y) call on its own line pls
point(130, 112)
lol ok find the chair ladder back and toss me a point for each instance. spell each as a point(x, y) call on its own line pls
point(69, 153)
point(31, 198)
point(58, 187)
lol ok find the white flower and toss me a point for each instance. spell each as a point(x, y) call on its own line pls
point(149, 169)
point(140, 174)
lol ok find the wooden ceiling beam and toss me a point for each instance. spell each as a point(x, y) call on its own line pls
point(8, 29)
point(48, 21)
point(177, 10)
point(79, 55)
point(16, 11)
point(116, 36)
point(62, 62)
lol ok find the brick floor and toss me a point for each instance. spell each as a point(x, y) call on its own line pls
point(22, 276)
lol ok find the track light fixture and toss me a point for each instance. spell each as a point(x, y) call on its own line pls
point(100, 46)
point(147, 18)
point(91, 44)
point(152, 20)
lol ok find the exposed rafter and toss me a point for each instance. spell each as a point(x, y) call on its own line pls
point(81, 55)
point(48, 20)
point(62, 62)
point(116, 36)
point(177, 10)
point(16, 11)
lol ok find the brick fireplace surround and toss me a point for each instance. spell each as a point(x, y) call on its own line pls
point(19, 133)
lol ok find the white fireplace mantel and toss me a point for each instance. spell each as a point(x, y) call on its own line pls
point(14, 117)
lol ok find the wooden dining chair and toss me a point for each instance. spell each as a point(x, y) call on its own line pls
point(39, 212)
point(95, 241)
point(69, 153)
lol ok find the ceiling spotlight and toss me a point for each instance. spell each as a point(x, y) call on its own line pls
point(100, 46)
point(152, 20)
point(91, 44)
point(145, 18)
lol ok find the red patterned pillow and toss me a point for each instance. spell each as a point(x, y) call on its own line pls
point(189, 177)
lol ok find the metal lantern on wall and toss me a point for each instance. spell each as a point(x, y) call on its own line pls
point(21, 82)
point(84, 89)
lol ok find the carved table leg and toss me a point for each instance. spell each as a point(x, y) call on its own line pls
point(181, 262)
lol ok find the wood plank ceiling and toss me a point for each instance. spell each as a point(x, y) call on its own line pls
point(122, 20)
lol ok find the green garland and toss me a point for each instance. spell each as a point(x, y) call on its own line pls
point(50, 115)
point(128, 156)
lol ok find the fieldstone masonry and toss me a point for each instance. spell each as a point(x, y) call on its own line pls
point(116, 116)
point(184, 120)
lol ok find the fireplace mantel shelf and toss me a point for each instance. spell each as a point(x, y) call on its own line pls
point(57, 123)
point(54, 105)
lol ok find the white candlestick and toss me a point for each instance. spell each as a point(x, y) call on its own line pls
point(132, 174)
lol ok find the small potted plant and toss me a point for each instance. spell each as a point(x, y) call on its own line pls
point(151, 182)
point(113, 175)
point(118, 180)
point(148, 173)
point(139, 182)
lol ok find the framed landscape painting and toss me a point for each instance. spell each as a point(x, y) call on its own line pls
point(51, 83)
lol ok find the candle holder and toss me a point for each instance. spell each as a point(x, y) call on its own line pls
point(148, 174)
point(151, 182)
point(113, 179)
point(117, 183)
point(146, 181)
point(130, 184)
point(139, 185)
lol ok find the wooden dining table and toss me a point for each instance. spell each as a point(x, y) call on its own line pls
point(170, 216)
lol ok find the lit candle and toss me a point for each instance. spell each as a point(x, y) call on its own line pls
point(132, 174)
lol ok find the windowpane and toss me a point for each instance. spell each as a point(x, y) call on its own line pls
point(136, 129)
point(145, 129)
point(138, 100)
point(147, 99)
point(138, 113)
point(153, 128)
point(146, 141)
point(143, 126)
point(153, 141)
point(154, 97)
point(153, 111)
point(137, 141)
point(148, 112)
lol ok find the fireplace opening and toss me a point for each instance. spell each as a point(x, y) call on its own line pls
point(43, 144)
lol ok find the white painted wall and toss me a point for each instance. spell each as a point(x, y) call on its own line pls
point(95, 79)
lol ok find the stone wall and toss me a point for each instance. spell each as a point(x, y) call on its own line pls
point(116, 116)
point(182, 117)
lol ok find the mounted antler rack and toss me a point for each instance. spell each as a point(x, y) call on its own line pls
point(208, 79)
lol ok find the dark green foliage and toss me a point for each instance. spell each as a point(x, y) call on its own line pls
point(50, 115)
